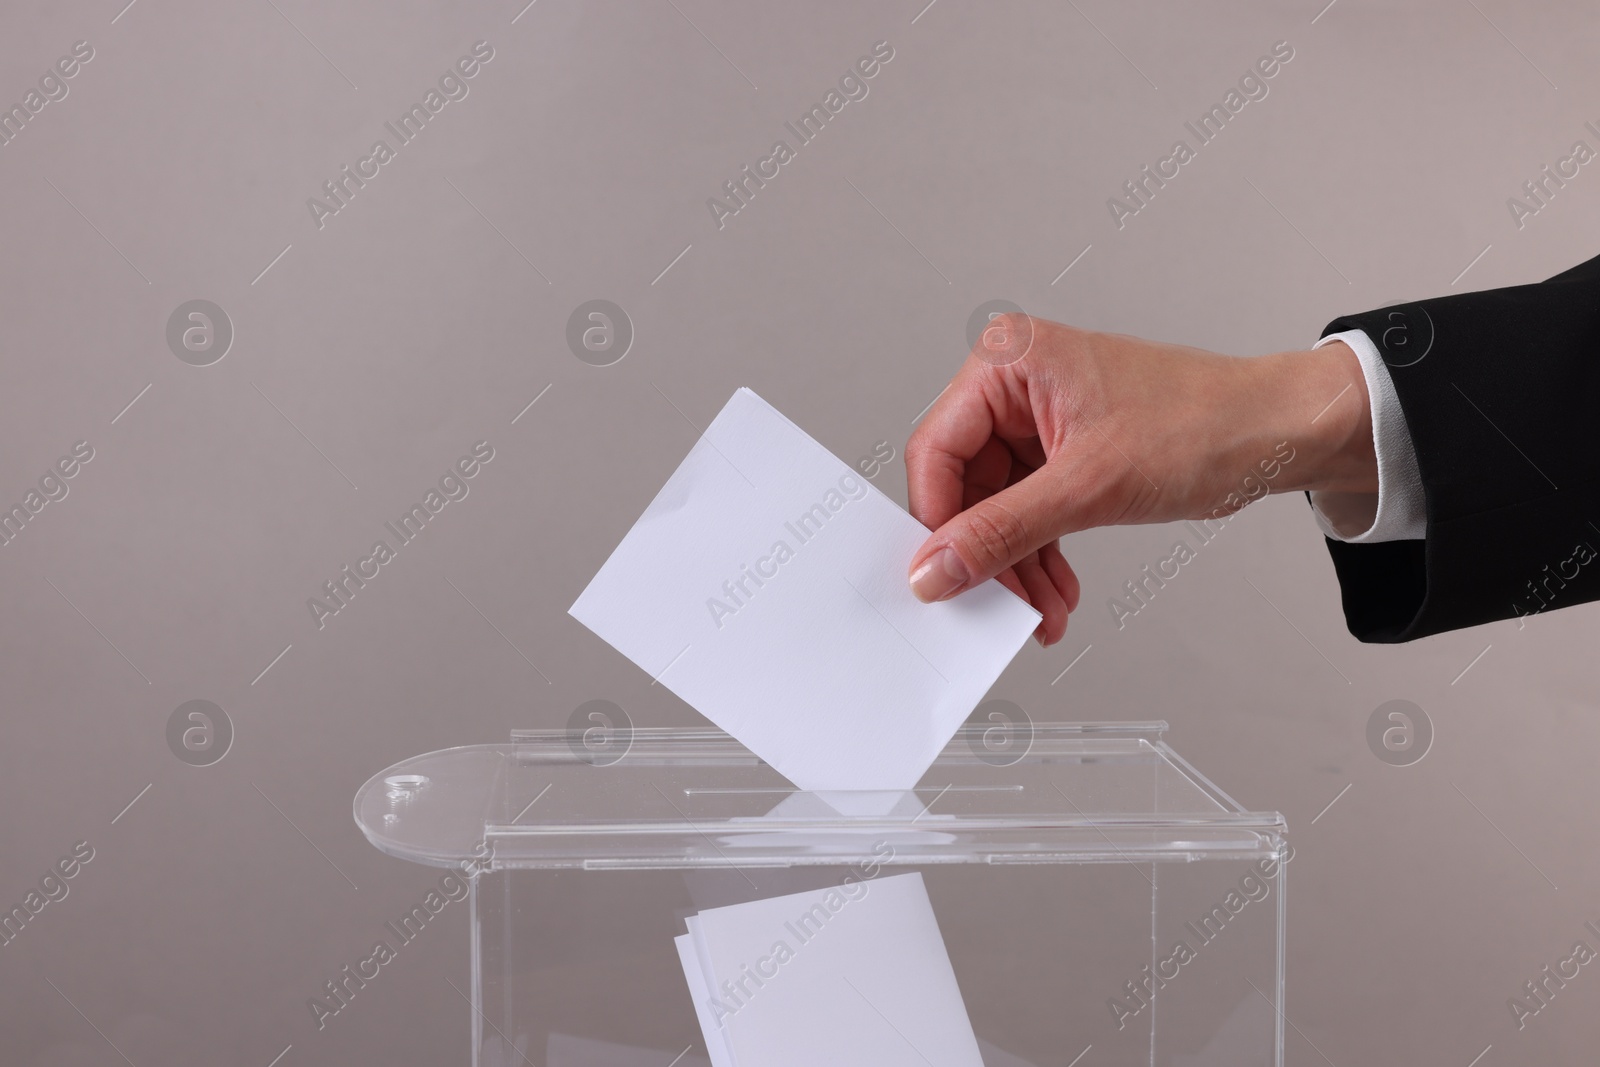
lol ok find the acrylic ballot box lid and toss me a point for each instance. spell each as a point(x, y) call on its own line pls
point(685, 798)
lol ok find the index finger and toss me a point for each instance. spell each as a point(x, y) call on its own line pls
point(982, 401)
point(951, 434)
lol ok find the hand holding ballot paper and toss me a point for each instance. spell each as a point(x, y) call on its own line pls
point(765, 586)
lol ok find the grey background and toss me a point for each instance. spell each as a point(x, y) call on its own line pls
point(376, 350)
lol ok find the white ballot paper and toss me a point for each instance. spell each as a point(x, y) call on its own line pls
point(854, 975)
point(766, 586)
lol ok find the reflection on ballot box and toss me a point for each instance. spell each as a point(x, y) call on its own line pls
point(687, 905)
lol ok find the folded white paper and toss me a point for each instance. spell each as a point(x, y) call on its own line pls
point(766, 586)
point(855, 975)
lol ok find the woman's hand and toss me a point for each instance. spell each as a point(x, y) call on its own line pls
point(1047, 430)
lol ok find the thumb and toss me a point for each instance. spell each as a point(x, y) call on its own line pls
point(992, 535)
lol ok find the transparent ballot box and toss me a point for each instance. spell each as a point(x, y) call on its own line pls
point(1072, 890)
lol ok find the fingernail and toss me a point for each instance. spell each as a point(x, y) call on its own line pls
point(1039, 637)
point(941, 576)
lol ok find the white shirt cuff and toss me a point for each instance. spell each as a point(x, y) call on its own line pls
point(1398, 510)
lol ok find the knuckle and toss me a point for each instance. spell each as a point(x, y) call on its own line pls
point(919, 445)
point(1006, 334)
point(995, 535)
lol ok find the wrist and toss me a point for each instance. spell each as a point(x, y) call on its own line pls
point(1317, 401)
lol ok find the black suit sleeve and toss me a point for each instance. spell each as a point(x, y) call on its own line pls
point(1501, 394)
